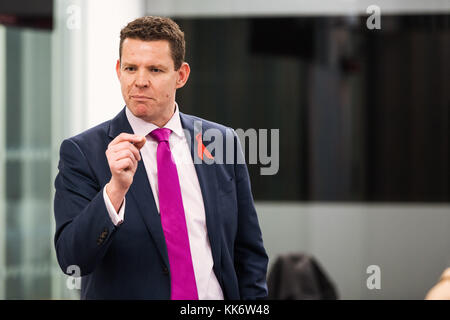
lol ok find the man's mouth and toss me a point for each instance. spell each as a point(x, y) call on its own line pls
point(139, 97)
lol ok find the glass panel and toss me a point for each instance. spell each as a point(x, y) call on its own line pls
point(27, 165)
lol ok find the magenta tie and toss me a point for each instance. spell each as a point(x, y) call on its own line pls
point(173, 220)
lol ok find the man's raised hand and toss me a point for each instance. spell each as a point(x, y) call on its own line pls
point(123, 156)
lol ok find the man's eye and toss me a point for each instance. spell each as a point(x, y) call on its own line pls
point(129, 68)
point(155, 70)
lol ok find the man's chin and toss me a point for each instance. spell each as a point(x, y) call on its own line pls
point(141, 110)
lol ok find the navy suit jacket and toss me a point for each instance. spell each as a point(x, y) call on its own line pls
point(130, 261)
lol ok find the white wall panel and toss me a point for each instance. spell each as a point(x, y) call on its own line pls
point(290, 7)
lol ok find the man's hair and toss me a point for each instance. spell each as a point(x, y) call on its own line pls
point(152, 28)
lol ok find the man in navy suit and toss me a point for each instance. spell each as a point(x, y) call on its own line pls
point(136, 232)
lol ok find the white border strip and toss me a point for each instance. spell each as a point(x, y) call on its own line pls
point(205, 8)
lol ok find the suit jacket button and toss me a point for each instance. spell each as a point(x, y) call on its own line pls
point(165, 270)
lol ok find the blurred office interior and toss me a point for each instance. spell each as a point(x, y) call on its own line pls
point(363, 117)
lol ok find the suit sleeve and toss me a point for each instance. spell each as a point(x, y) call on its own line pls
point(250, 256)
point(83, 226)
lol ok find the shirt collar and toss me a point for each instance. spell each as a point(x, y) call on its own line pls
point(143, 128)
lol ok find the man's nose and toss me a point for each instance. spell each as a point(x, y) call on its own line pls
point(142, 80)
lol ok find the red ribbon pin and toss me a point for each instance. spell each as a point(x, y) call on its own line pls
point(201, 149)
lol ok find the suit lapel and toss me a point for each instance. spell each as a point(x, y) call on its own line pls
point(141, 192)
point(208, 184)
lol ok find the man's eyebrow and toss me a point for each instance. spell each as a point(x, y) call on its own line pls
point(157, 66)
point(151, 66)
point(128, 64)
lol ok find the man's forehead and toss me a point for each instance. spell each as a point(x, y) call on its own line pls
point(131, 43)
point(152, 52)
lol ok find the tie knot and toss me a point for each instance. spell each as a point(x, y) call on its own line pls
point(161, 134)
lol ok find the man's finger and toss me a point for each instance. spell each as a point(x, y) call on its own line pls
point(126, 145)
point(126, 153)
point(124, 164)
point(140, 141)
point(133, 138)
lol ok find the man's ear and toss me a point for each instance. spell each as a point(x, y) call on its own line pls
point(183, 75)
point(118, 71)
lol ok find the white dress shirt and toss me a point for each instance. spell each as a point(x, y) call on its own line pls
point(207, 285)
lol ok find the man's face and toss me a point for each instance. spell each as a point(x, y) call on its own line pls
point(149, 80)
